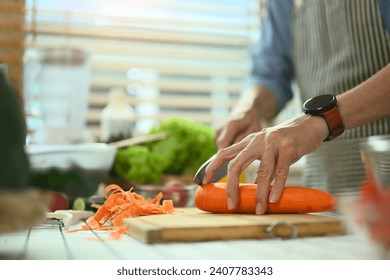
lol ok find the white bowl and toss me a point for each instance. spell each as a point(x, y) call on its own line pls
point(97, 157)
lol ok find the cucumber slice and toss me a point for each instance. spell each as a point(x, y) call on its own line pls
point(79, 204)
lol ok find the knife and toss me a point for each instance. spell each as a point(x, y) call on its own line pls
point(221, 172)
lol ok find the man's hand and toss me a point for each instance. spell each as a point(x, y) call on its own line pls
point(237, 128)
point(277, 148)
point(255, 106)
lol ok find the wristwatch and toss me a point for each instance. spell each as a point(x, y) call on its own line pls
point(326, 106)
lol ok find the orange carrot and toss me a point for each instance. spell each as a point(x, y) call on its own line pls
point(120, 204)
point(212, 198)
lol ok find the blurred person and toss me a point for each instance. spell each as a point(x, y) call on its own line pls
point(14, 164)
point(338, 53)
point(21, 206)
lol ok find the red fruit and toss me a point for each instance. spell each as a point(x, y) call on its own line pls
point(174, 184)
point(175, 191)
point(59, 201)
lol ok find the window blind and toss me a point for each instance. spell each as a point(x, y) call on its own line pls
point(11, 39)
point(173, 58)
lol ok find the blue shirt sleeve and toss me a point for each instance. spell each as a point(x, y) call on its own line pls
point(384, 7)
point(271, 56)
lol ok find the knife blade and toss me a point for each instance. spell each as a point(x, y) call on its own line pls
point(221, 172)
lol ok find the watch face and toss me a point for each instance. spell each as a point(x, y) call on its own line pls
point(320, 104)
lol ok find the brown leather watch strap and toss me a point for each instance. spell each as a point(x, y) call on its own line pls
point(334, 122)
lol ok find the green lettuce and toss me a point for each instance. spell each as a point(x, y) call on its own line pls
point(187, 146)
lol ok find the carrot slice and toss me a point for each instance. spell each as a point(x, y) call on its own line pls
point(212, 198)
point(120, 204)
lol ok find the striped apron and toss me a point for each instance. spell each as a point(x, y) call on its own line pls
point(338, 44)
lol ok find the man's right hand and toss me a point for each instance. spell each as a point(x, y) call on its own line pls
point(237, 128)
point(255, 106)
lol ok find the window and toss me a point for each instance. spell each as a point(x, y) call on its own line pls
point(171, 57)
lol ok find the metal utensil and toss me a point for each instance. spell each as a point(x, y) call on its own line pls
point(141, 139)
point(221, 172)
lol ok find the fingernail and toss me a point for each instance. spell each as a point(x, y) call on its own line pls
point(272, 198)
point(259, 209)
point(230, 203)
point(205, 180)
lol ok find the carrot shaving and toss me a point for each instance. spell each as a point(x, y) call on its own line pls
point(119, 205)
point(117, 234)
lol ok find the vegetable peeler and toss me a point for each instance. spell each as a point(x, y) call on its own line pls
point(65, 218)
point(221, 172)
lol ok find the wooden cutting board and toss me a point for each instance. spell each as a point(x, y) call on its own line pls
point(191, 224)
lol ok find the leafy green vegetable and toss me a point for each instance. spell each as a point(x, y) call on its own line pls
point(187, 146)
point(138, 164)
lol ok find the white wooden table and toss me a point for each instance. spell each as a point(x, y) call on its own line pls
point(54, 243)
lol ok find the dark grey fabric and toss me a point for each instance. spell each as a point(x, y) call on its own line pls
point(14, 165)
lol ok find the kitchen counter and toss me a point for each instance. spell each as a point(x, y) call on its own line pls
point(47, 242)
